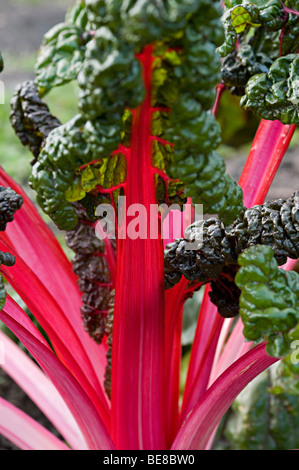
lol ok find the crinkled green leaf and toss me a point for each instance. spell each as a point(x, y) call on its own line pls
point(240, 18)
point(269, 301)
point(111, 77)
point(186, 69)
point(243, 63)
point(65, 149)
point(275, 95)
point(77, 15)
point(61, 54)
point(30, 117)
point(60, 57)
point(272, 15)
point(290, 37)
point(256, 35)
point(63, 173)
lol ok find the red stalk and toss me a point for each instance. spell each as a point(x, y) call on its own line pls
point(92, 427)
point(38, 387)
point(25, 432)
point(50, 316)
point(202, 353)
point(201, 421)
point(270, 143)
point(219, 91)
point(137, 400)
point(174, 306)
point(41, 252)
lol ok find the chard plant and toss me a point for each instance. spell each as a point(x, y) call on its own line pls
point(107, 349)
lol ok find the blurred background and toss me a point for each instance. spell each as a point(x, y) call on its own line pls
point(23, 24)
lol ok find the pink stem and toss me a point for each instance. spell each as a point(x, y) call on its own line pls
point(219, 91)
point(289, 10)
point(202, 353)
point(174, 306)
point(268, 149)
point(202, 420)
point(137, 399)
point(25, 432)
point(32, 380)
point(39, 249)
point(51, 318)
point(82, 408)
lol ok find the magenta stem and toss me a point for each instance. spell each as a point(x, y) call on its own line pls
point(138, 389)
point(268, 149)
point(200, 423)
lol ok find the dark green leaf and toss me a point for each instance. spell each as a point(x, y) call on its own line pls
point(275, 95)
point(269, 301)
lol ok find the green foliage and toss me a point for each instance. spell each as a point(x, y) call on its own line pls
point(61, 54)
point(110, 79)
point(241, 17)
point(52, 174)
point(287, 380)
point(30, 117)
point(269, 301)
point(234, 3)
point(260, 420)
point(275, 94)
point(98, 46)
point(78, 161)
point(186, 81)
point(269, 308)
point(210, 185)
point(263, 67)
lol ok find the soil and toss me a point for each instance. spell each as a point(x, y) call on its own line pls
point(22, 27)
